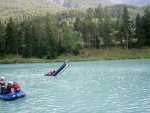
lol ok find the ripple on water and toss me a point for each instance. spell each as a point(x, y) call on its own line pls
point(85, 87)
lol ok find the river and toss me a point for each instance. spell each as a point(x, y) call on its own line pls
point(113, 86)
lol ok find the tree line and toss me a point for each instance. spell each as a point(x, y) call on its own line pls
point(48, 37)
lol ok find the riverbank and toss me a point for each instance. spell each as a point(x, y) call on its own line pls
point(85, 55)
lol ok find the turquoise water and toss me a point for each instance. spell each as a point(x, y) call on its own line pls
point(117, 86)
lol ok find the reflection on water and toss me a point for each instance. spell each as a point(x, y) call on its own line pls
point(84, 87)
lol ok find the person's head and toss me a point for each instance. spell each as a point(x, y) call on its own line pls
point(2, 78)
point(10, 82)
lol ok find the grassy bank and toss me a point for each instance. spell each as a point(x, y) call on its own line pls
point(85, 55)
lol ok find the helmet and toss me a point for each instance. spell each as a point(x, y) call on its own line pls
point(10, 82)
point(2, 78)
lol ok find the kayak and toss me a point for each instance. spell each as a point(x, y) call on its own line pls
point(13, 96)
point(59, 70)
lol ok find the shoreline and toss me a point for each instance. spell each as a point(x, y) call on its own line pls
point(85, 55)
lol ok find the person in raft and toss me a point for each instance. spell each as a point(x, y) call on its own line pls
point(2, 85)
point(10, 87)
point(51, 72)
point(13, 87)
point(17, 87)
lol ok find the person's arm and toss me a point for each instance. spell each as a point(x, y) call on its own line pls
point(12, 90)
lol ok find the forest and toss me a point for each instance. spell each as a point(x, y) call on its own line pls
point(50, 35)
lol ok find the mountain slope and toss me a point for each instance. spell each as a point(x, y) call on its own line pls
point(81, 3)
point(25, 4)
point(28, 9)
point(93, 3)
point(139, 3)
point(24, 9)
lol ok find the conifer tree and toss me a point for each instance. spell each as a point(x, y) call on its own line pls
point(10, 39)
point(26, 44)
point(52, 51)
point(99, 12)
point(2, 39)
point(126, 26)
point(139, 24)
point(117, 27)
point(147, 26)
point(107, 28)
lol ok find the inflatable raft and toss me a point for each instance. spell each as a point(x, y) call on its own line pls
point(59, 70)
point(13, 96)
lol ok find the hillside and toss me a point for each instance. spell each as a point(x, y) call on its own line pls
point(139, 3)
point(45, 30)
point(25, 4)
point(24, 9)
point(133, 10)
point(81, 3)
point(94, 3)
point(27, 9)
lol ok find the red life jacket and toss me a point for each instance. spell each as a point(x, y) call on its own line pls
point(49, 74)
point(16, 86)
point(9, 86)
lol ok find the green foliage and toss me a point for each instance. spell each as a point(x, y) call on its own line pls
point(125, 29)
point(50, 34)
point(147, 25)
point(89, 13)
point(99, 13)
point(2, 39)
point(76, 52)
point(78, 25)
point(68, 41)
point(10, 37)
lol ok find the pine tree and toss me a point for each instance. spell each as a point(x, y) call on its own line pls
point(41, 35)
point(10, 39)
point(139, 24)
point(118, 26)
point(2, 39)
point(147, 26)
point(107, 28)
point(26, 40)
point(126, 26)
point(52, 45)
point(99, 13)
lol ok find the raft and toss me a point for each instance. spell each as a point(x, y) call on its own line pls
point(61, 69)
point(13, 96)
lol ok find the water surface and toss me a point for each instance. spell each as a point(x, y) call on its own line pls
point(114, 86)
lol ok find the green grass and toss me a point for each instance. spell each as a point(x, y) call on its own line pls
point(85, 55)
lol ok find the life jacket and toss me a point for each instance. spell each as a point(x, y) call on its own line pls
point(9, 86)
point(49, 74)
point(2, 83)
point(16, 86)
